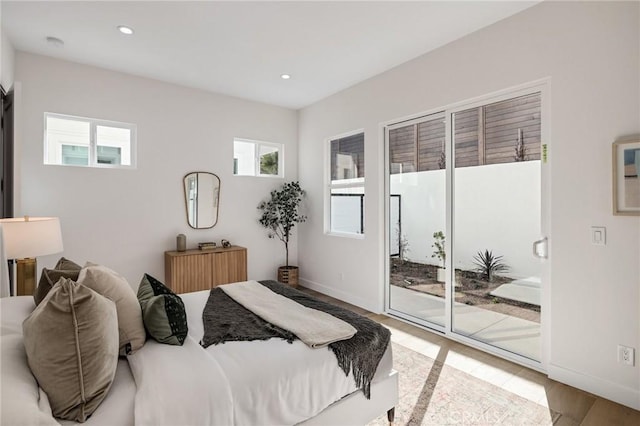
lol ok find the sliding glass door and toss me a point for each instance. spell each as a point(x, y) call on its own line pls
point(496, 218)
point(417, 215)
point(465, 222)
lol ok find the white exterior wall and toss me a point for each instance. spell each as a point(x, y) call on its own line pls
point(126, 219)
point(591, 53)
point(497, 208)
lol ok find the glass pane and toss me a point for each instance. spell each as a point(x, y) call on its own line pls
point(416, 216)
point(347, 158)
point(244, 156)
point(347, 210)
point(75, 155)
point(497, 196)
point(109, 155)
point(113, 145)
point(268, 160)
point(70, 133)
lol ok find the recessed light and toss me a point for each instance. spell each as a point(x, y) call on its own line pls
point(285, 76)
point(125, 30)
point(55, 41)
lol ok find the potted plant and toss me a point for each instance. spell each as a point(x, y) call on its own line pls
point(440, 254)
point(280, 215)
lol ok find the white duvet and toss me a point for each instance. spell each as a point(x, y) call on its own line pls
point(268, 382)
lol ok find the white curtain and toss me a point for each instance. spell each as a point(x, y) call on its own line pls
point(4, 269)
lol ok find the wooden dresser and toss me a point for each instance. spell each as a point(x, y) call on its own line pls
point(195, 270)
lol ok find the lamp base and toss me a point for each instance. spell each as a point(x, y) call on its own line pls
point(26, 277)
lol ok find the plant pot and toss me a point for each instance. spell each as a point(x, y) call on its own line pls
point(288, 275)
point(441, 275)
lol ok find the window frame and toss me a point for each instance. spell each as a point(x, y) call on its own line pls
point(348, 183)
point(257, 145)
point(93, 141)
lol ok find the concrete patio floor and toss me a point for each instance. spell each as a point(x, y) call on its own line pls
point(506, 332)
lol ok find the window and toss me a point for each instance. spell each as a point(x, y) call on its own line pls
point(255, 158)
point(89, 142)
point(346, 184)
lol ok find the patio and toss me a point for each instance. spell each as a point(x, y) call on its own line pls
point(507, 332)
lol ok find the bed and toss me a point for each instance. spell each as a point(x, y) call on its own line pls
point(251, 383)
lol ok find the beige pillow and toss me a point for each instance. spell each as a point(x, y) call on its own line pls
point(115, 287)
point(71, 341)
point(64, 268)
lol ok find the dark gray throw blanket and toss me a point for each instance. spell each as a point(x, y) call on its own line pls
point(226, 320)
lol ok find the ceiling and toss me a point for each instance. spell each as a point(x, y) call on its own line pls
point(241, 48)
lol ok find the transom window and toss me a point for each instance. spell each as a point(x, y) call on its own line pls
point(346, 185)
point(257, 158)
point(89, 142)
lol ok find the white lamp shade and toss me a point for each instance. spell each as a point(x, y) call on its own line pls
point(31, 237)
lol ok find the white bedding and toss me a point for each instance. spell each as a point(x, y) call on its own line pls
point(268, 382)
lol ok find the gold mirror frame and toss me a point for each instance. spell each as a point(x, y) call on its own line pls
point(201, 197)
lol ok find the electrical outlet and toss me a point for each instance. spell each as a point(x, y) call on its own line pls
point(626, 355)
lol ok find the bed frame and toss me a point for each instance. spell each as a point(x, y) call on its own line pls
point(355, 409)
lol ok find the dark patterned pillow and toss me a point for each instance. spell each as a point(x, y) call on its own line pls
point(65, 268)
point(163, 312)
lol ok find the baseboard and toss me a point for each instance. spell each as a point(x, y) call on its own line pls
point(337, 294)
point(604, 388)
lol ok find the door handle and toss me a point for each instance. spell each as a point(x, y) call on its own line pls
point(540, 248)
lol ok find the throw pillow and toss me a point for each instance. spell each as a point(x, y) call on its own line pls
point(64, 268)
point(71, 341)
point(115, 287)
point(163, 312)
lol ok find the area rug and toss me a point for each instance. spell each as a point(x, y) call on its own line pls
point(432, 393)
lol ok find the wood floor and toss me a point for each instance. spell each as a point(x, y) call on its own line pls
point(576, 406)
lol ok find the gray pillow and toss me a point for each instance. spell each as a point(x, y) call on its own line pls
point(71, 341)
point(64, 268)
point(163, 312)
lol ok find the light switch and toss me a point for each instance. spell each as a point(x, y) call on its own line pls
point(598, 235)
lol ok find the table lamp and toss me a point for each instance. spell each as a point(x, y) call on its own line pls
point(24, 239)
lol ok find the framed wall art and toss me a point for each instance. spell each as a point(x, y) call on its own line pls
point(626, 177)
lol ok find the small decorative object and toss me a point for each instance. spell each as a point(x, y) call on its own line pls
point(181, 242)
point(626, 177)
point(279, 215)
point(225, 244)
point(207, 245)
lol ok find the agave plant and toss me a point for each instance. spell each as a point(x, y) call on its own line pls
point(488, 264)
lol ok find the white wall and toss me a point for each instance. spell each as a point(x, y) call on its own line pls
point(7, 54)
point(7, 59)
point(493, 213)
point(591, 52)
point(126, 219)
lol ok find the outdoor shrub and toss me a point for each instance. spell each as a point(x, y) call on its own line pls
point(403, 245)
point(488, 264)
point(439, 247)
point(521, 149)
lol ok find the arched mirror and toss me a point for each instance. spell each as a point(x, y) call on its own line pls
point(201, 193)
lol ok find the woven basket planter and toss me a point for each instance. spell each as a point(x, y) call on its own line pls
point(288, 275)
